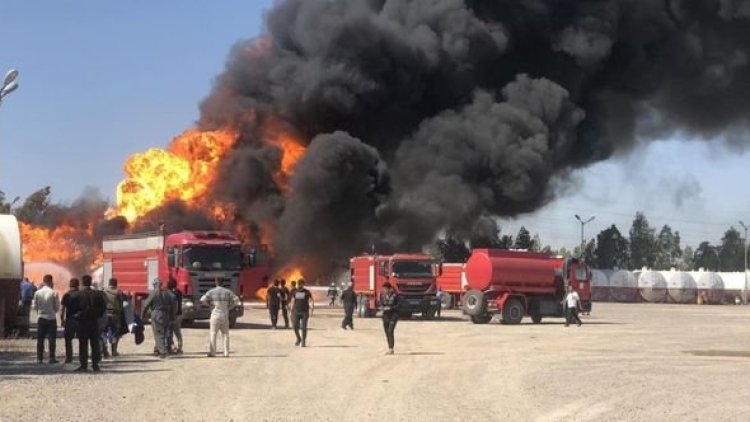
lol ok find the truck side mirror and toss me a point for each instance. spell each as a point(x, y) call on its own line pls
point(252, 258)
point(171, 258)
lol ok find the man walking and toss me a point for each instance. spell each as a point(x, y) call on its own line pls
point(273, 302)
point(162, 305)
point(68, 310)
point(176, 327)
point(284, 296)
point(114, 316)
point(572, 304)
point(302, 308)
point(389, 301)
point(222, 300)
point(46, 304)
point(90, 306)
point(350, 302)
point(332, 293)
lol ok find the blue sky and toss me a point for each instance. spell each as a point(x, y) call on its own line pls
point(104, 79)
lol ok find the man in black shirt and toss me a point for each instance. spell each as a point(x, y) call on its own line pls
point(90, 305)
point(350, 302)
point(67, 317)
point(302, 307)
point(284, 296)
point(175, 330)
point(389, 302)
point(273, 301)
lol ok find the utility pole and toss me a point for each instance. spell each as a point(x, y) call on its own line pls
point(744, 243)
point(583, 223)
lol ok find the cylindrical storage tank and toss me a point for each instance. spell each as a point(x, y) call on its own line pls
point(681, 287)
point(652, 286)
point(495, 267)
point(599, 285)
point(11, 270)
point(711, 286)
point(622, 286)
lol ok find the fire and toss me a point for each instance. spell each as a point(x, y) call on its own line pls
point(292, 152)
point(288, 274)
point(184, 171)
point(41, 244)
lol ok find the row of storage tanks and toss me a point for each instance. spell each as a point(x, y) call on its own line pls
point(666, 286)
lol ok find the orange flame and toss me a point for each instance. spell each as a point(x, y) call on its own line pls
point(289, 274)
point(41, 244)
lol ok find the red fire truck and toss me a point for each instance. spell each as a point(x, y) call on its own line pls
point(516, 283)
point(412, 276)
point(194, 258)
point(452, 281)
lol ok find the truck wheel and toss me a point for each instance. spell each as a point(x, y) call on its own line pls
point(481, 319)
point(513, 312)
point(447, 301)
point(474, 303)
point(536, 318)
point(232, 321)
point(362, 310)
point(429, 314)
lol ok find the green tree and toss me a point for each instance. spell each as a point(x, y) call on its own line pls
point(523, 239)
point(686, 260)
point(451, 249)
point(612, 249)
point(34, 207)
point(667, 250)
point(642, 243)
point(589, 253)
point(506, 242)
point(6, 207)
point(707, 256)
point(732, 251)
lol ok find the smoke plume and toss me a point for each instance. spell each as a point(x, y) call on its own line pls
point(425, 116)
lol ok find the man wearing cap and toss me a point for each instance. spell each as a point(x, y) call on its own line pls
point(350, 302)
point(302, 307)
point(389, 301)
point(163, 310)
point(222, 300)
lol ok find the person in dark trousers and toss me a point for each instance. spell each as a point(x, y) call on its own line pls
point(572, 303)
point(349, 300)
point(69, 322)
point(273, 302)
point(46, 304)
point(332, 293)
point(389, 301)
point(284, 296)
point(114, 316)
point(175, 330)
point(90, 306)
point(163, 309)
point(302, 308)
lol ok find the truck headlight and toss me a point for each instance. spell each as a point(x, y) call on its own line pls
point(188, 304)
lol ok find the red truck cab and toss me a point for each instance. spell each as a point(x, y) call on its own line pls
point(411, 275)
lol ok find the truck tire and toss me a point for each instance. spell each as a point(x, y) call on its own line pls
point(513, 311)
point(447, 301)
point(536, 318)
point(429, 314)
point(232, 321)
point(362, 310)
point(474, 303)
point(481, 319)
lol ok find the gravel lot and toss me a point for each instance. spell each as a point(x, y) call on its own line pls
point(627, 362)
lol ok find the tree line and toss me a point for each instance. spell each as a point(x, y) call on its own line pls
point(642, 246)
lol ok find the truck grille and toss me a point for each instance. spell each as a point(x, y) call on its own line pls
point(407, 289)
point(206, 284)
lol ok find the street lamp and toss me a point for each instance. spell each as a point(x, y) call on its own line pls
point(583, 223)
point(744, 243)
point(9, 84)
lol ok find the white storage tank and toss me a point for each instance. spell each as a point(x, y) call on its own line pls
point(599, 285)
point(681, 287)
point(711, 286)
point(623, 286)
point(652, 286)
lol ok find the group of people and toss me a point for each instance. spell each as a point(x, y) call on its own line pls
point(298, 300)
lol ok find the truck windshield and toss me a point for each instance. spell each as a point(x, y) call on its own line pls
point(208, 258)
point(581, 273)
point(412, 269)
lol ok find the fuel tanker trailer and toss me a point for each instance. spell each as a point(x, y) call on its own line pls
point(514, 284)
point(11, 272)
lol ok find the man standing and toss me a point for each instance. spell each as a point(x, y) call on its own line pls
point(68, 311)
point(90, 306)
point(440, 293)
point(176, 327)
point(389, 301)
point(572, 303)
point(46, 304)
point(284, 296)
point(302, 307)
point(114, 316)
point(163, 309)
point(273, 302)
point(222, 300)
point(350, 302)
point(332, 293)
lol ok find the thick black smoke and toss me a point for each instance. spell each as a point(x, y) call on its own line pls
point(468, 108)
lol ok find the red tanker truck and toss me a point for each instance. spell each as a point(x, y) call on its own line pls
point(194, 258)
point(412, 276)
point(517, 283)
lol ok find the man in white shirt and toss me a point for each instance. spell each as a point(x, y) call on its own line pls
point(46, 304)
point(572, 303)
point(222, 300)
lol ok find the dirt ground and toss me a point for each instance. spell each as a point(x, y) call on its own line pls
point(627, 362)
